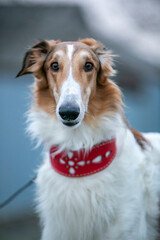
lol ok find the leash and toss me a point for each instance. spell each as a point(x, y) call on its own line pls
point(17, 193)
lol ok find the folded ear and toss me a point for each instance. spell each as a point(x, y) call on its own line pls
point(105, 59)
point(35, 56)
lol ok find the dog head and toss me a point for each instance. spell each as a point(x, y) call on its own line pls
point(71, 80)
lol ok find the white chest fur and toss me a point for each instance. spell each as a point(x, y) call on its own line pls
point(109, 205)
point(98, 206)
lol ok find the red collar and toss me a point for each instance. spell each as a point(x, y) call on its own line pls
point(82, 163)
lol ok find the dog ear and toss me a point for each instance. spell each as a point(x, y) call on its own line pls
point(105, 59)
point(35, 56)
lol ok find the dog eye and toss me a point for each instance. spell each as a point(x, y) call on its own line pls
point(54, 66)
point(88, 67)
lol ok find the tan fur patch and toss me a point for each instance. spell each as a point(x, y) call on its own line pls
point(107, 100)
point(141, 140)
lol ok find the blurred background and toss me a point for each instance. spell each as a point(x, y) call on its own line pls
point(130, 29)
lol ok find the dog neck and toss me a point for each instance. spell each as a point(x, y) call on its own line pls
point(83, 163)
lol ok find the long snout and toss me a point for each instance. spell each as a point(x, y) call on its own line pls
point(70, 109)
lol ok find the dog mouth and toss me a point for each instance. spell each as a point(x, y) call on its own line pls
point(70, 123)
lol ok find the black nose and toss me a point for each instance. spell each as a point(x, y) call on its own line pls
point(69, 112)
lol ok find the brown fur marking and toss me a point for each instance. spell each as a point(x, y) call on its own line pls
point(141, 140)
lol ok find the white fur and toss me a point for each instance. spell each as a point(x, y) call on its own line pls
point(119, 203)
point(70, 51)
point(71, 92)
